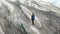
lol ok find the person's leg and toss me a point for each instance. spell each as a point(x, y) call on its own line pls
point(32, 22)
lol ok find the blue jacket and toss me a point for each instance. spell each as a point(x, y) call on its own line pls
point(33, 17)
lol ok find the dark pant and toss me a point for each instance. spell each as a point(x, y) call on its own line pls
point(32, 22)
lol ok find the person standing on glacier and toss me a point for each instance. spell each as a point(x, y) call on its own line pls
point(32, 18)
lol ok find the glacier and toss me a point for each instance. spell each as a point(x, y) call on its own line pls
point(15, 17)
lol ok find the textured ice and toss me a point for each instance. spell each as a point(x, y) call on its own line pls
point(15, 17)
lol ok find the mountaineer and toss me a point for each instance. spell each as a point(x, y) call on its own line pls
point(32, 18)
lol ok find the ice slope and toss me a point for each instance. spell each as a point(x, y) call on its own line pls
point(11, 21)
point(17, 20)
point(41, 5)
point(1, 30)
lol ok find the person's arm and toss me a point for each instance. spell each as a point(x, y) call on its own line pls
point(31, 17)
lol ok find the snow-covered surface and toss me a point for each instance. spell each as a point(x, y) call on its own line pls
point(1, 31)
point(15, 17)
point(45, 5)
point(28, 14)
point(10, 7)
point(35, 30)
point(12, 0)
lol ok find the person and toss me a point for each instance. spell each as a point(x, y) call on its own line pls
point(32, 18)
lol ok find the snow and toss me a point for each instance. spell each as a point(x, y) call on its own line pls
point(35, 30)
point(10, 7)
point(12, 0)
point(54, 2)
point(28, 14)
point(1, 31)
point(47, 0)
point(11, 24)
